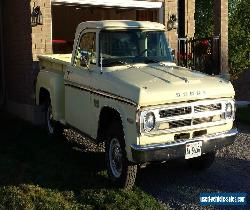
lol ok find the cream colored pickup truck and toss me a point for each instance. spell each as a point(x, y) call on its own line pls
point(120, 86)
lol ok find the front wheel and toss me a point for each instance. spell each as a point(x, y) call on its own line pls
point(121, 172)
point(203, 162)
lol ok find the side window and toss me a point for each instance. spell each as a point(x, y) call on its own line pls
point(86, 52)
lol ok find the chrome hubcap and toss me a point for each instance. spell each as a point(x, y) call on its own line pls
point(115, 157)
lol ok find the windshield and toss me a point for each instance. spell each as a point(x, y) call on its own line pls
point(133, 46)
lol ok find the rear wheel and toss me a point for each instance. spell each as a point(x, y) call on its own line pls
point(53, 128)
point(203, 162)
point(121, 172)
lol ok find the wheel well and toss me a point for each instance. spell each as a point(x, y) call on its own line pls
point(107, 116)
point(44, 96)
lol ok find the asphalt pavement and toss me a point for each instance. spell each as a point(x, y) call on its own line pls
point(178, 187)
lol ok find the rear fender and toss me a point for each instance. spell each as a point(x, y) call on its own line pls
point(54, 84)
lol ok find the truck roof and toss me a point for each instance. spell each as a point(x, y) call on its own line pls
point(121, 24)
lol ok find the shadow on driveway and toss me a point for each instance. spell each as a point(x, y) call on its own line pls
point(174, 183)
point(29, 156)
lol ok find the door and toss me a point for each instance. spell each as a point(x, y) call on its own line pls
point(78, 84)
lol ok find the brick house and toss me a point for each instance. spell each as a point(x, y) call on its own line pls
point(20, 43)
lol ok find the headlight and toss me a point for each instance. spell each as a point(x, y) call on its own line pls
point(229, 111)
point(149, 121)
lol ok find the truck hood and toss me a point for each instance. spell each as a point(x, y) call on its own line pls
point(156, 84)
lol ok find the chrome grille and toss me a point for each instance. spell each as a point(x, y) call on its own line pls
point(202, 120)
point(180, 123)
point(175, 112)
point(186, 116)
point(205, 108)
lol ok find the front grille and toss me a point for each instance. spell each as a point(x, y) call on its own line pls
point(188, 110)
point(180, 123)
point(206, 108)
point(195, 121)
point(175, 112)
point(202, 120)
point(198, 114)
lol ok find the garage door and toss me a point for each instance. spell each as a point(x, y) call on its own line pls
point(110, 3)
point(72, 12)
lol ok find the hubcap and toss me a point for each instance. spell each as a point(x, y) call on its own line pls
point(49, 120)
point(115, 157)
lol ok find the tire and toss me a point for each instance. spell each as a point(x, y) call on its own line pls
point(203, 162)
point(121, 172)
point(53, 128)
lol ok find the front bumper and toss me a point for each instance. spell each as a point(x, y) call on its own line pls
point(162, 152)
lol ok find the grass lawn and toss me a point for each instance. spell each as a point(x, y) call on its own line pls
point(37, 172)
point(243, 114)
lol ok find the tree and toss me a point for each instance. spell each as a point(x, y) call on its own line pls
point(239, 30)
point(239, 35)
point(203, 18)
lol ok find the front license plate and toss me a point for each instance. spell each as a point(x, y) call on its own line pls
point(193, 149)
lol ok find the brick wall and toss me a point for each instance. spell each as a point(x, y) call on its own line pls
point(18, 51)
point(189, 17)
point(42, 34)
point(220, 16)
point(2, 81)
point(22, 44)
point(171, 7)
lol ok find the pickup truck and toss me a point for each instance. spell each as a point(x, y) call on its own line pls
point(121, 87)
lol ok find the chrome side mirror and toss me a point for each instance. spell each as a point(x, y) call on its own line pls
point(172, 51)
point(84, 59)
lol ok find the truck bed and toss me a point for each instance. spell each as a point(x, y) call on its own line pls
point(55, 62)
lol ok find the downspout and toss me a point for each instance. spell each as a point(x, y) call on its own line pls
point(2, 98)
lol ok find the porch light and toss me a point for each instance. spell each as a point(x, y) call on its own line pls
point(36, 16)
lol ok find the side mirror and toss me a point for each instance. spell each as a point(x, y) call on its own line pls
point(172, 53)
point(84, 59)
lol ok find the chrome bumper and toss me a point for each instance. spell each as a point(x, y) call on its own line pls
point(174, 150)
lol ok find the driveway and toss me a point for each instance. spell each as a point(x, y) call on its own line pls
point(175, 185)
